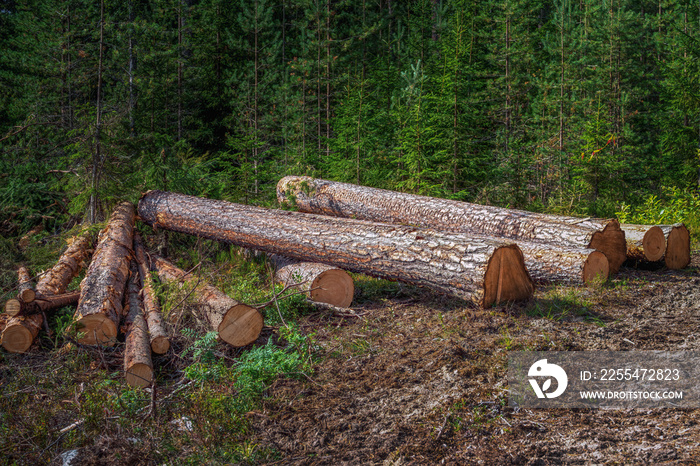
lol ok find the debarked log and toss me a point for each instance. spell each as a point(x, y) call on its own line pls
point(352, 201)
point(236, 323)
point(477, 268)
point(100, 306)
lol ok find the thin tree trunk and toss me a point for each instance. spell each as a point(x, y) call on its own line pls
point(160, 343)
point(483, 270)
point(138, 365)
point(98, 156)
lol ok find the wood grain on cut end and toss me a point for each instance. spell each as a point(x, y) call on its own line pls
point(27, 295)
point(241, 325)
point(139, 375)
point(506, 277)
point(654, 244)
point(97, 329)
point(160, 345)
point(13, 307)
point(19, 332)
point(596, 269)
point(678, 247)
point(334, 286)
point(611, 242)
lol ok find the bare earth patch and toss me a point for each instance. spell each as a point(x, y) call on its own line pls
point(423, 380)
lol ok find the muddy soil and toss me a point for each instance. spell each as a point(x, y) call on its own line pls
point(420, 379)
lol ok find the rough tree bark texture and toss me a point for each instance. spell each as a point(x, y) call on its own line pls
point(160, 343)
point(138, 365)
point(26, 289)
point(20, 331)
point(100, 306)
point(322, 283)
point(48, 303)
point(352, 201)
point(237, 324)
point(481, 269)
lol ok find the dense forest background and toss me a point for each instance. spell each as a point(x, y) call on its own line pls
point(581, 107)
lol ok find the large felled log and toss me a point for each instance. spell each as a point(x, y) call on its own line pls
point(237, 324)
point(138, 365)
point(160, 343)
point(476, 268)
point(379, 205)
point(20, 331)
point(322, 283)
point(100, 306)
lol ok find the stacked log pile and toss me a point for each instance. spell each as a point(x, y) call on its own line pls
point(480, 269)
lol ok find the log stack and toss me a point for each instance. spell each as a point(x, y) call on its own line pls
point(476, 268)
point(556, 249)
point(21, 330)
point(654, 243)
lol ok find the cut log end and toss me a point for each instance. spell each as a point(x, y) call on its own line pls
point(97, 329)
point(27, 295)
point(13, 307)
point(678, 248)
point(596, 269)
point(17, 339)
point(241, 325)
point(160, 345)
point(139, 375)
point(506, 277)
point(334, 287)
point(611, 242)
point(654, 244)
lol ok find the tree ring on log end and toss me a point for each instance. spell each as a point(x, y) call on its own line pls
point(241, 325)
point(654, 244)
point(98, 329)
point(596, 268)
point(27, 295)
point(13, 307)
point(611, 242)
point(678, 248)
point(506, 278)
point(334, 287)
point(160, 345)
point(139, 375)
point(17, 339)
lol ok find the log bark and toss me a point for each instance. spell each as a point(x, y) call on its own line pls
point(26, 290)
point(100, 306)
point(480, 269)
point(322, 283)
point(237, 324)
point(138, 365)
point(25, 295)
point(352, 201)
point(68, 266)
point(160, 343)
point(48, 303)
point(20, 331)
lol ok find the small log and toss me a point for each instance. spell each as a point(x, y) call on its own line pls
point(20, 331)
point(352, 201)
point(138, 365)
point(160, 343)
point(100, 306)
point(574, 266)
point(322, 283)
point(26, 290)
point(237, 324)
point(48, 303)
point(653, 243)
point(474, 267)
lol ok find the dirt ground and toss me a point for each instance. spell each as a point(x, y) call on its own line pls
point(419, 379)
